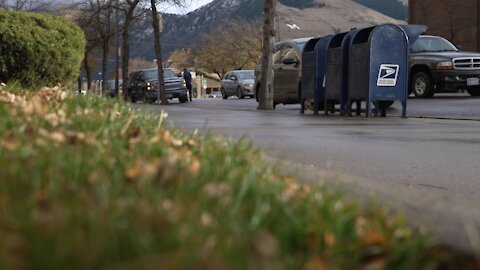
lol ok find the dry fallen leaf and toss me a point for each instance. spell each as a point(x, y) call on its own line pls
point(133, 173)
point(10, 145)
point(266, 244)
point(206, 219)
point(329, 239)
point(373, 238)
point(316, 263)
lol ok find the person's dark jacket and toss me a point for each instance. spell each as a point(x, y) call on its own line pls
point(187, 76)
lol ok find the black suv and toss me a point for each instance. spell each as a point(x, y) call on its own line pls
point(436, 65)
point(143, 85)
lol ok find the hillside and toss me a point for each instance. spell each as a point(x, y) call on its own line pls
point(297, 18)
point(393, 8)
point(335, 16)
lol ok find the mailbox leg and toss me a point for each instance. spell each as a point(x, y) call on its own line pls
point(369, 109)
point(383, 109)
point(404, 108)
point(358, 106)
point(302, 106)
point(315, 105)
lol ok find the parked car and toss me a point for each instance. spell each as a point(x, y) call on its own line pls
point(436, 65)
point(287, 69)
point(143, 85)
point(238, 83)
point(215, 94)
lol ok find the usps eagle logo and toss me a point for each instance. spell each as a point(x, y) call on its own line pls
point(388, 74)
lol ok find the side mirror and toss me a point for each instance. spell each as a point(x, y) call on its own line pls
point(290, 61)
point(233, 78)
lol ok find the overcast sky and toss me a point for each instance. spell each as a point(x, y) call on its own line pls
point(190, 6)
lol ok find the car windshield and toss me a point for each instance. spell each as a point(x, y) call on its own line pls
point(433, 44)
point(151, 75)
point(301, 45)
point(245, 75)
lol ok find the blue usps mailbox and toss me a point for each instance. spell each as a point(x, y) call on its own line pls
point(313, 72)
point(336, 74)
point(378, 67)
point(320, 74)
point(309, 66)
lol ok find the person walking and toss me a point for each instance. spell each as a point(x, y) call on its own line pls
point(187, 76)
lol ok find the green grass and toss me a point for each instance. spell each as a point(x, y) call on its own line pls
point(89, 183)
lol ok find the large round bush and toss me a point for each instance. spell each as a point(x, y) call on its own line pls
point(38, 49)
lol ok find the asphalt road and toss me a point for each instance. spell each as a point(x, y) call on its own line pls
point(425, 166)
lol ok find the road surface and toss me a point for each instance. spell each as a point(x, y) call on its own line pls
point(426, 166)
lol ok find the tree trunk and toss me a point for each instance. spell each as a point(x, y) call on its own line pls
point(105, 51)
point(161, 95)
point(126, 44)
point(117, 51)
point(265, 93)
point(125, 59)
point(88, 72)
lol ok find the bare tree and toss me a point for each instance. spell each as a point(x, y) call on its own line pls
point(158, 49)
point(161, 96)
point(424, 10)
point(30, 5)
point(265, 93)
point(128, 8)
point(97, 20)
point(236, 45)
point(452, 7)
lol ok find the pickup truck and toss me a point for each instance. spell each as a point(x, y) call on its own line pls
point(436, 66)
point(143, 85)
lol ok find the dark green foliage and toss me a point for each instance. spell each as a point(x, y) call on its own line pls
point(39, 49)
point(392, 8)
point(252, 9)
point(301, 4)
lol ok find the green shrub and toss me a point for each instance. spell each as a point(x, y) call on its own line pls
point(39, 49)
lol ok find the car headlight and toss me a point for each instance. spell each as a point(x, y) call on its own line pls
point(444, 66)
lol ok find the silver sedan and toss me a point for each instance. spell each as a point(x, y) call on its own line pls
point(238, 83)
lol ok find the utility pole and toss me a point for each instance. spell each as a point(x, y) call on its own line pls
point(161, 95)
point(265, 93)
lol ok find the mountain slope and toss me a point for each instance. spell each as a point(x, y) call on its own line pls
point(296, 18)
point(394, 8)
point(335, 16)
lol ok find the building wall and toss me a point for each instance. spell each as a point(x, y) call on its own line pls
point(456, 20)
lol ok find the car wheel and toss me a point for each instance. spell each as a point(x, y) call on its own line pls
point(146, 100)
point(183, 99)
point(224, 95)
point(474, 92)
point(130, 97)
point(239, 93)
point(309, 104)
point(422, 86)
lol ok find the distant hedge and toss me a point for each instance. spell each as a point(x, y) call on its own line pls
point(38, 49)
